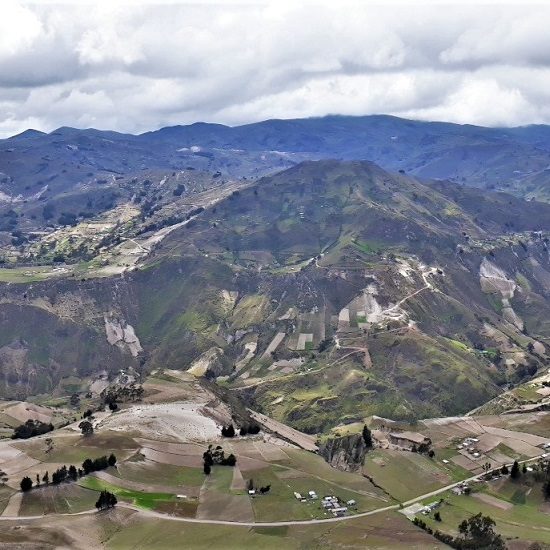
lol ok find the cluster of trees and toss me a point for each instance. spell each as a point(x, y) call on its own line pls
point(64, 473)
point(217, 456)
point(71, 473)
point(249, 429)
point(538, 472)
point(475, 532)
point(67, 218)
point(177, 192)
point(31, 428)
point(96, 464)
point(121, 394)
point(8, 220)
point(424, 448)
point(166, 222)
point(105, 500)
point(246, 429)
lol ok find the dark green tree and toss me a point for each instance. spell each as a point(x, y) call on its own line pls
point(478, 532)
point(106, 500)
point(26, 484)
point(86, 428)
point(514, 472)
point(112, 459)
point(73, 473)
point(228, 431)
point(367, 437)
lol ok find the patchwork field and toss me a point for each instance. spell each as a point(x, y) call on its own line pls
point(159, 474)
point(405, 475)
point(517, 507)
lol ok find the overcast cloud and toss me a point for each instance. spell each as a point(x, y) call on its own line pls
point(136, 68)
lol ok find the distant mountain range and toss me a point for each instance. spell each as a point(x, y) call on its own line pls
point(513, 159)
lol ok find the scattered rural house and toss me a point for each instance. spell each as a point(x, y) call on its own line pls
point(431, 507)
point(445, 461)
point(340, 511)
point(351, 503)
point(252, 491)
point(460, 489)
point(312, 495)
point(298, 496)
point(408, 440)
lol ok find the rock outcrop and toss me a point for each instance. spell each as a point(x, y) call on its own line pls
point(345, 453)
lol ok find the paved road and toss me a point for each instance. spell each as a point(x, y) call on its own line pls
point(158, 515)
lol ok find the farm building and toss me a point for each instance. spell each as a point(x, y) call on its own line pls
point(408, 439)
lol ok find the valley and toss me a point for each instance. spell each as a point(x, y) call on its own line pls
point(162, 490)
point(306, 297)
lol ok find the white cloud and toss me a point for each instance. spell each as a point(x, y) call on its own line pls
point(133, 68)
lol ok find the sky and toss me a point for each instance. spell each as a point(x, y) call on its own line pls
point(134, 67)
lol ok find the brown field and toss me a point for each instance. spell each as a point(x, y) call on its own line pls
point(146, 487)
point(493, 501)
point(193, 461)
point(24, 411)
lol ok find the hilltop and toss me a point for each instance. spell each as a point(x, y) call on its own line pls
point(328, 292)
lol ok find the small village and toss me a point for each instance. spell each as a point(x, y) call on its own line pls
point(330, 503)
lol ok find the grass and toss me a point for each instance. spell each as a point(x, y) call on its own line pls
point(149, 501)
point(161, 474)
point(390, 530)
point(5, 494)
point(366, 247)
point(528, 393)
point(315, 466)
point(524, 520)
point(458, 345)
point(22, 274)
point(405, 475)
point(75, 449)
point(67, 498)
point(221, 478)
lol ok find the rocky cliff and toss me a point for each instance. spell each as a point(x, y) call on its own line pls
point(345, 453)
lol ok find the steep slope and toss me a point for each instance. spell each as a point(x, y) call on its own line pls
point(326, 293)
